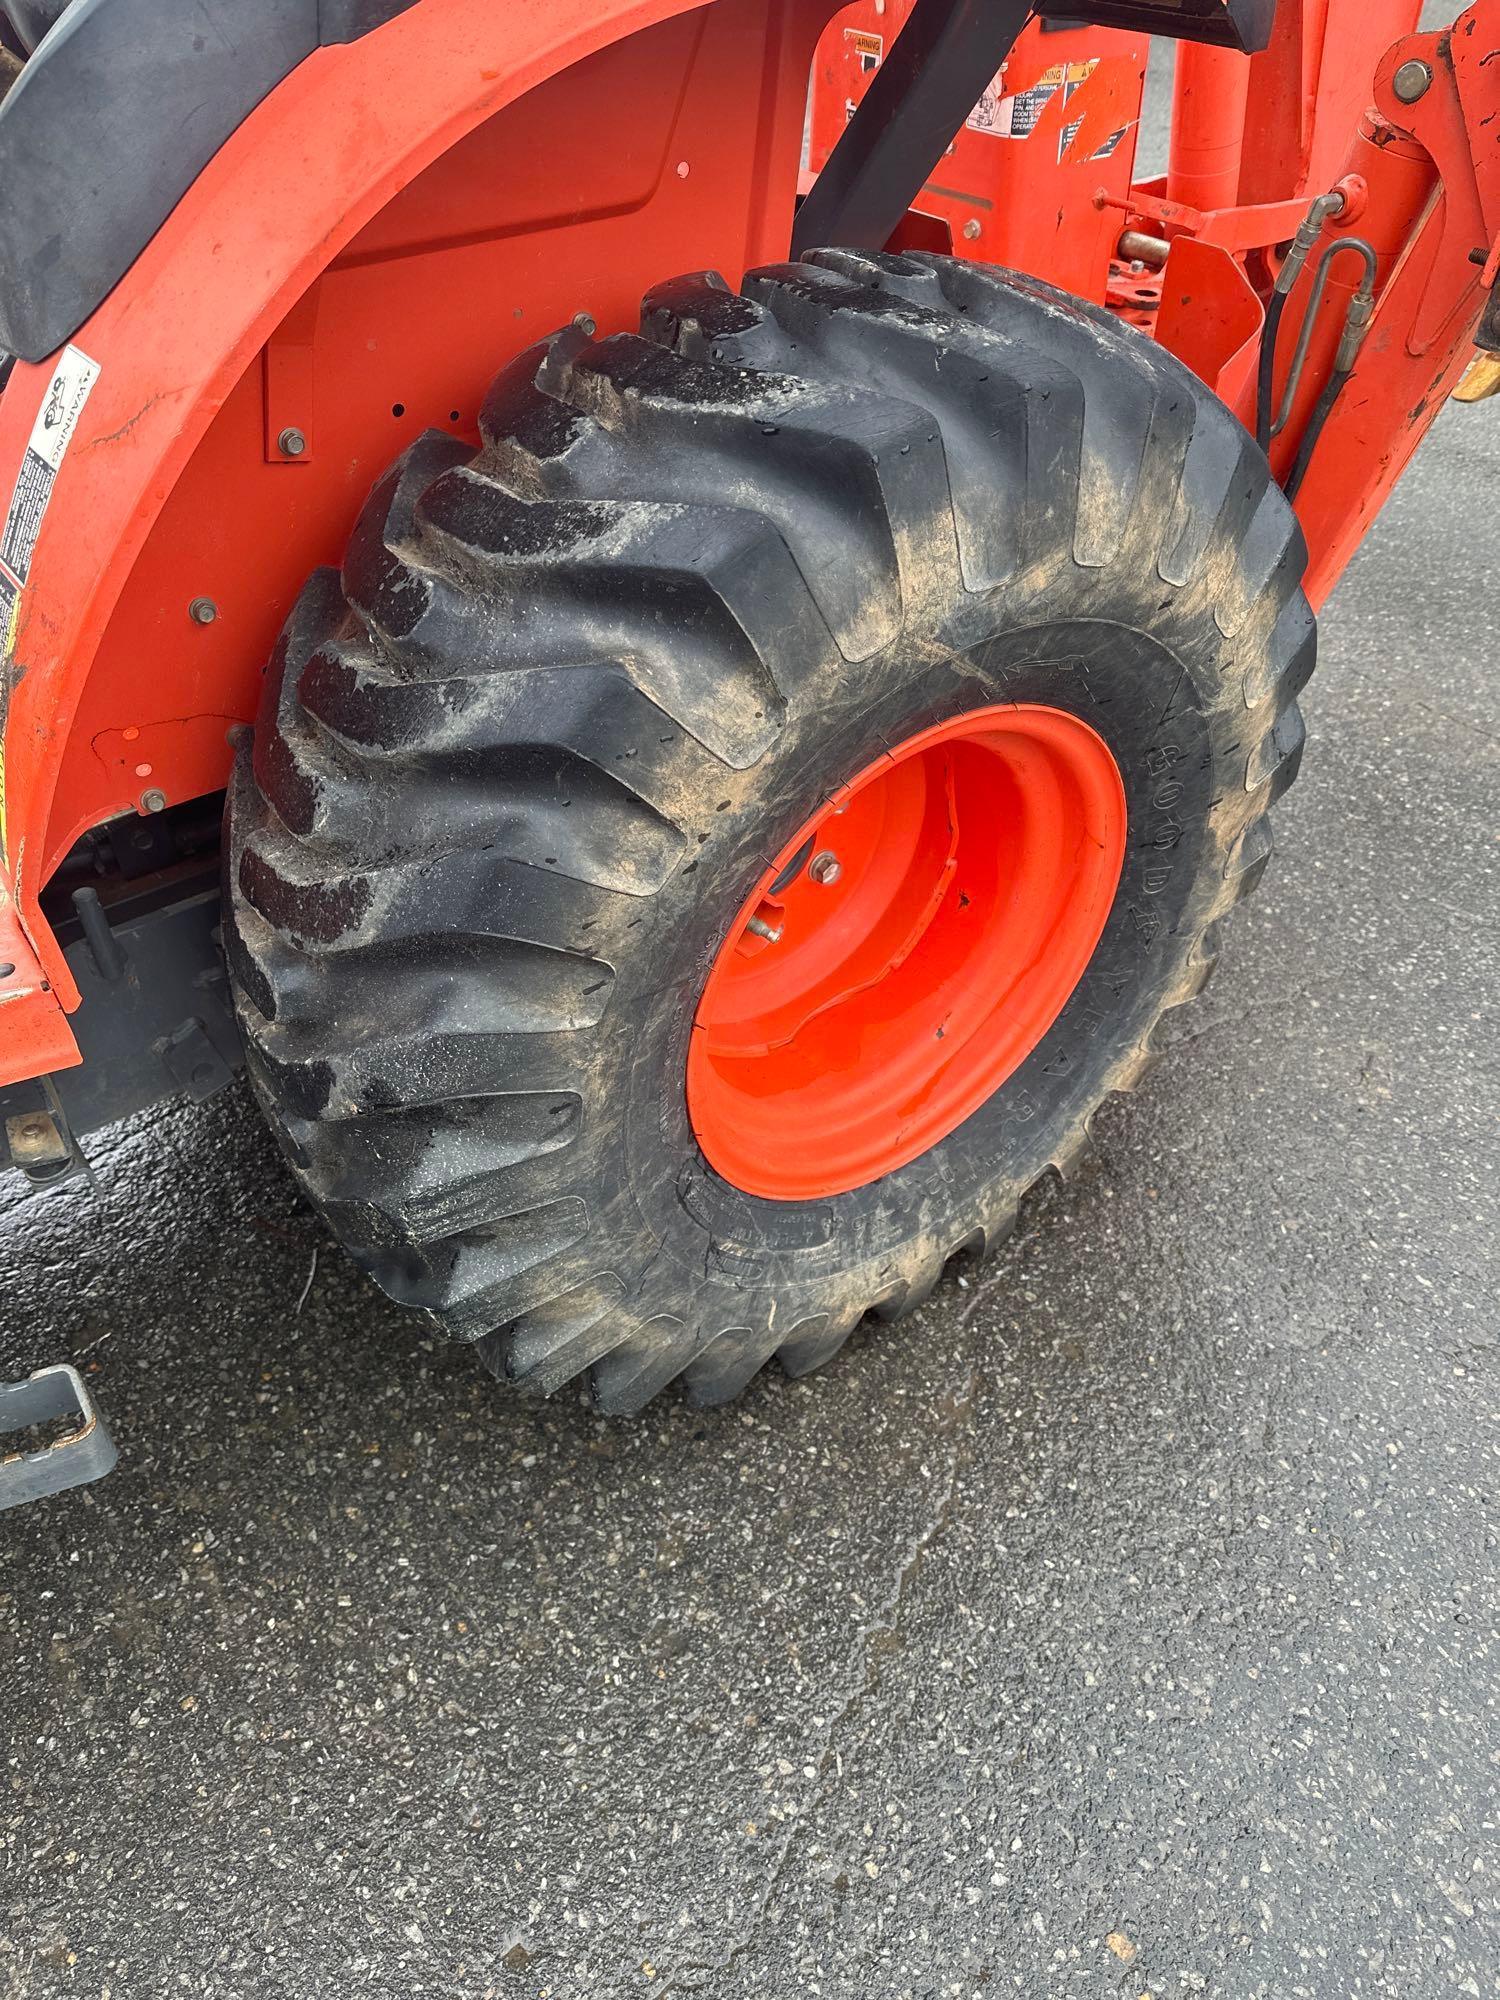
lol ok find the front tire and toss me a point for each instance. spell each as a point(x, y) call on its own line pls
point(521, 765)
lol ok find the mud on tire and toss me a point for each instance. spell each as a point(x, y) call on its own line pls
point(519, 764)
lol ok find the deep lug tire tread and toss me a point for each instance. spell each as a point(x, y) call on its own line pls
point(487, 745)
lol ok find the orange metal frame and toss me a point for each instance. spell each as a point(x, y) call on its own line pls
point(404, 212)
point(1018, 184)
point(1043, 178)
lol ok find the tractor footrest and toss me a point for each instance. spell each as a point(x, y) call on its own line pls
point(83, 1451)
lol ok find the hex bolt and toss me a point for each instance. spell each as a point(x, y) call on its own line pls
point(292, 442)
point(153, 801)
point(36, 1144)
point(203, 611)
point(825, 868)
point(1411, 81)
point(971, 229)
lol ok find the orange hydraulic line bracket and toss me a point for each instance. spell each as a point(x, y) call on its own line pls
point(1443, 89)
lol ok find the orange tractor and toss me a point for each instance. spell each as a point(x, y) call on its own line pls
point(682, 665)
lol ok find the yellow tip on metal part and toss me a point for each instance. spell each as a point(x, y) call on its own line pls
point(1481, 378)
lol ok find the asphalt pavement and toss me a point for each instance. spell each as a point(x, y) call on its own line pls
point(1125, 1624)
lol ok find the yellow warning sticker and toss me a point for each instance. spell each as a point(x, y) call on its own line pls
point(1014, 114)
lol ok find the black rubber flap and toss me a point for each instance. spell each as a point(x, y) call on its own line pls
point(111, 123)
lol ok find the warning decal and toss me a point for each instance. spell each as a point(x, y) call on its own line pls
point(51, 435)
point(1015, 116)
point(10, 598)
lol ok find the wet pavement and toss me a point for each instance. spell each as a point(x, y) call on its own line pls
point(1123, 1625)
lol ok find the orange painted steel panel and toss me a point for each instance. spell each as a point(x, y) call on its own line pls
point(1420, 339)
point(1210, 317)
point(569, 201)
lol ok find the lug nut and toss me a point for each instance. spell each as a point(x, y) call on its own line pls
point(825, 868)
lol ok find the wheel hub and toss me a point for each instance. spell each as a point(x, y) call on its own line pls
point(906, 951)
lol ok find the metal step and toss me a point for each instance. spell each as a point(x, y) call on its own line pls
point(85, 1452)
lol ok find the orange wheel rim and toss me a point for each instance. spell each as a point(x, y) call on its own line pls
point(906, 951)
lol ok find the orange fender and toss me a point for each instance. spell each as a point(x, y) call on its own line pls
point(320, 160)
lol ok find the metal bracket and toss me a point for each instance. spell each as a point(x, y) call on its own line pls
point(155, 1023)
point(935, 73)
point(1226, 24)
point(86, 1453)
point(36, 1136)
point(195, 1065)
